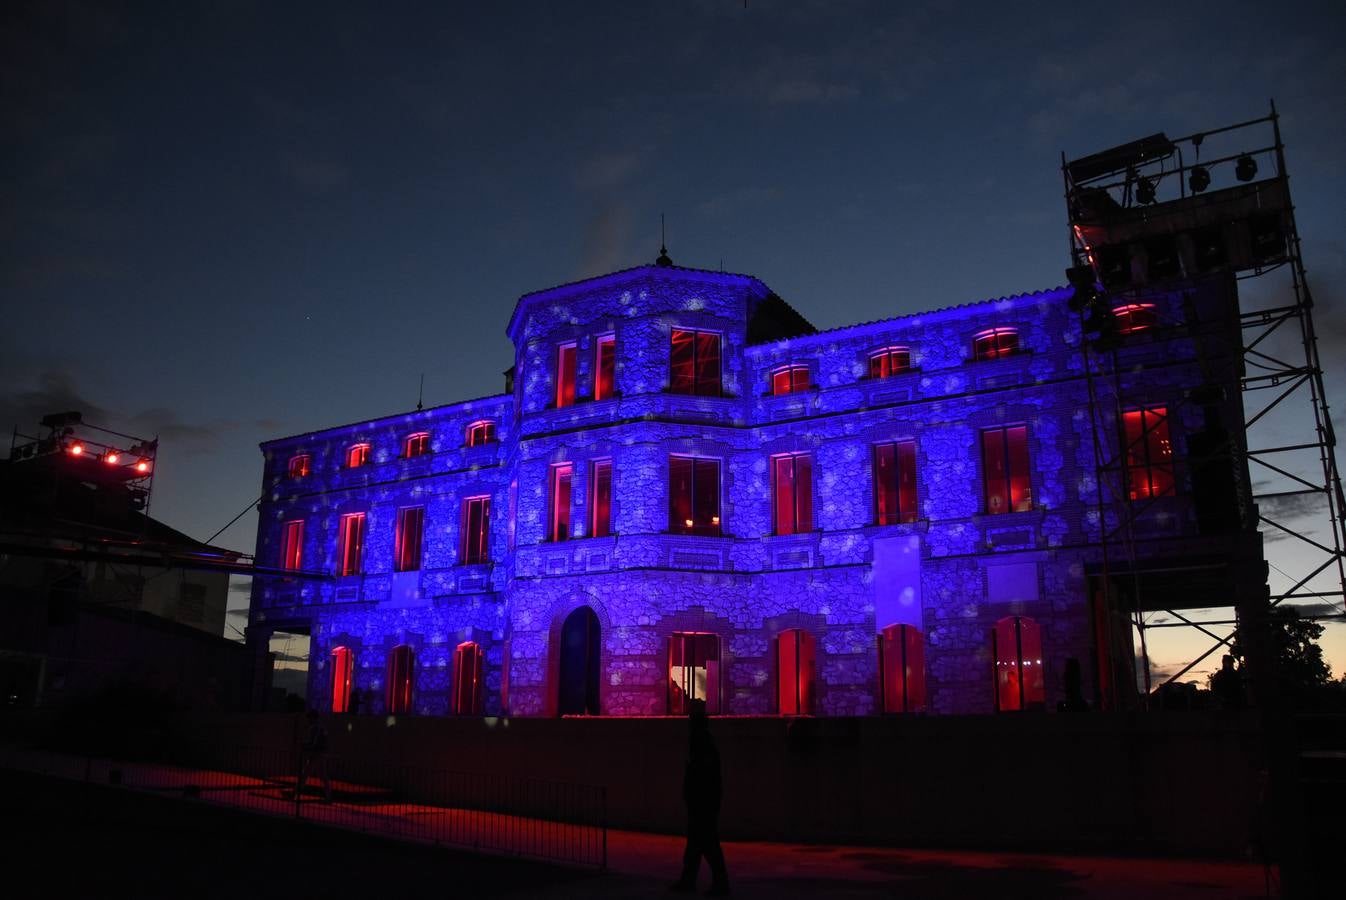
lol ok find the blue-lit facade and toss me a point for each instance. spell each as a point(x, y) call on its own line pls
point(960, 584)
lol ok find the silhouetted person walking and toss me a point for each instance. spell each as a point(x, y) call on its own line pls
point(314, 754)
point(701, 792)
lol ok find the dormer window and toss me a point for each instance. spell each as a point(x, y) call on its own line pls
point(889, 361)
point(479, 433)
point(415, 445)
point(299, 466)
point(357, 455)
point(1133, 317)
point(790, 380)
point(994, 343)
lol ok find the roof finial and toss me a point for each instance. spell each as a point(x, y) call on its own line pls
point(420, 395)
point(663, 259)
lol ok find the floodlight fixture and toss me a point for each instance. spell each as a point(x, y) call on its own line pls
point(1245, 169)
point(1198, 179)
point(1144, 190)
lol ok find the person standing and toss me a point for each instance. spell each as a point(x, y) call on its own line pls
point(314, 753)
point(701, 792)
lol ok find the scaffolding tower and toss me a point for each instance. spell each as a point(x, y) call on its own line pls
point(1200, 216)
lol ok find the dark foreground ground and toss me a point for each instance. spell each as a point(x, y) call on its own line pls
point(66, 839)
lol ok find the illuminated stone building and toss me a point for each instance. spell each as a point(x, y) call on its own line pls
point(688, 490)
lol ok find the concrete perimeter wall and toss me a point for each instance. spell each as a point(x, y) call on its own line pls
point(1164, 784)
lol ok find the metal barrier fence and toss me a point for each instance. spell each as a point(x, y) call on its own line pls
point(546, 820)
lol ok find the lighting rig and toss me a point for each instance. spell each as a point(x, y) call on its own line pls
point(71, 448)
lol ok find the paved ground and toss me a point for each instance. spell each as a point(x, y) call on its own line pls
point(146, 844)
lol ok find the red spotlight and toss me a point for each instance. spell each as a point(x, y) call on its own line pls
point(111, 458)
point(76, 449)
point(143, 466)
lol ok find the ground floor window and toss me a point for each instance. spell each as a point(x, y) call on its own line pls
point(693, 671)
point(467, 679)
point(1016, 646)
point(343, 668)
point(902, 669)
point(401, 672)
point(796, 672)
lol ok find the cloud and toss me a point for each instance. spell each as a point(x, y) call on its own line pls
point(54, 391)
point(603, 246)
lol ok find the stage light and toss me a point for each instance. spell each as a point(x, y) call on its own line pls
point(143, 466)
point(1144, 191)
point(111, 458)
point(76, 449)
point(1246, 168)
point(1199, 179)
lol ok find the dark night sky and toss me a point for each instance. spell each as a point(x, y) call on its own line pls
point(231, 223)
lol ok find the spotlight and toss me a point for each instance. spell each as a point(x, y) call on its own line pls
point(1198, 179)
point(1144, 191)
point(143, 466)
point(1246, 168)
point(76, 449)
point(111, 458)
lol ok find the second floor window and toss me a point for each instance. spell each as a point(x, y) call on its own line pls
point(292, 546)
point(792, 493)
point(889, 361)
point(605, 367)
point(479, 433)
point(995, 343)
point(600, 498)
point(1149, 453)
point(407, 546)
point(558, 501)
point(300, 466)
point(417, 444)
point(351, 544)
point(693, 495)
point(476, 530)
point(1004, 454)
point(565, 375)
point(895, 482)
point(1133, 317)
point(790, 380)
point(694, 363)
point(357, 455)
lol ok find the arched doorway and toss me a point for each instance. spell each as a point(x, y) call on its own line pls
point(577, 690)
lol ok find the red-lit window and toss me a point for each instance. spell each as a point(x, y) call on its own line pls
point(417, 444)
point(558, 501)
point(895, 482)
point(479, 433)
point(792, 493)
point(467, 679)
point(1133, 317)
point(1016, 646)
point(600, 498)
point(790, 380)
point(694, 363)
point(351, 544)
point(410, 528)
point(796, 672)
point(357, 455)
point(902, 669)
point(693, 671)
point(565, 374)
point(300, 466)
point(343, 668)
point(401, 675)
point(1149, 453)
point(995, 343)
point(292, 546)
point(605, 367)
point(476, 529)
point(693, 495)
point(889, 361)
point(1004, 455)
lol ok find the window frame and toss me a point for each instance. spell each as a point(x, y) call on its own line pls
point(678, 697)
point(343, 677)
point(884, 357)
point(1125, 314)
point(409, 557)
point(697, 382)
point(400, 692)
point(417, 440)
point(792, 384)
point(801, 505)
point(801, 647)
point(595, 502)
point(560, 481)
point(468, 653)
point(903, 638)
point(301, 461)
point(1007, 460)
point(903, 448)
point(483, 543)
point(292, 545)
point(351, 562)
point(605, 366)
point(1162, 433)
point(715, 526)
point(1011, 694)
point(484, 427)
point(564, 396)
point(361, 451)
point(994, 335)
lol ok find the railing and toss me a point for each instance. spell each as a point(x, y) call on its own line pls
point(502, 814)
